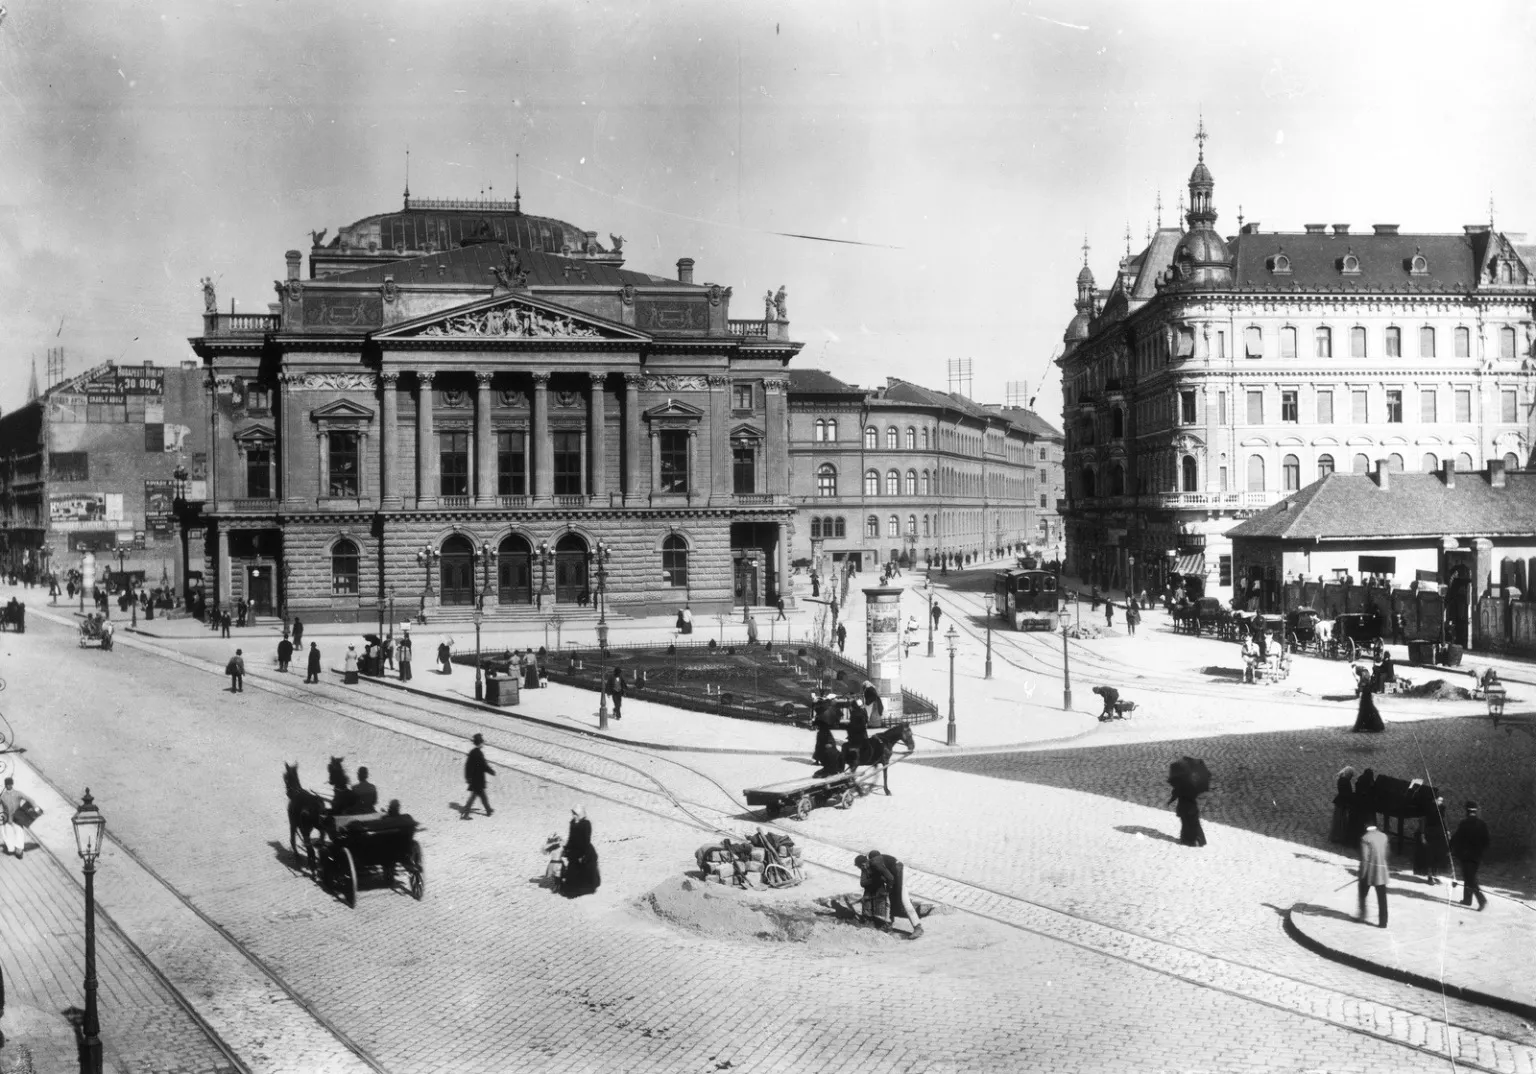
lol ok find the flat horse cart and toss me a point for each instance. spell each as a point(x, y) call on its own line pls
point(95, 631)
point(797, 797)
point(354, 848)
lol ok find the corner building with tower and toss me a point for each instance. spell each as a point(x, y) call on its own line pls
point(1216, 376)
point(463, 405)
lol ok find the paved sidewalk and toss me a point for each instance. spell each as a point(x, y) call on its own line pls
point(1431, 940)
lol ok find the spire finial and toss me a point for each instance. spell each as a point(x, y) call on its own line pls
point(1181, 210)
point(407, 176)
point(517, 182)
point(1490, 210)
point(1159, 208)
point(1149, 234)
point(1127, 238)
point(1239, 217)
point(1200, 135)
point(1085, 249)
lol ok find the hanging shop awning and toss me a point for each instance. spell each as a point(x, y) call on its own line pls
point(1193, 564)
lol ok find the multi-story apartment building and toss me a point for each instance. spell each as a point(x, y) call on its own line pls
point(1045, 455)
point(1215, 375)
point(904, 473)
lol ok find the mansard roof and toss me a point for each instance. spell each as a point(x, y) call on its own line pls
point(472, 265)
point(1452, 263)
point(819, 382)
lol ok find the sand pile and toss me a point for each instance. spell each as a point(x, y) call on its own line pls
point(1439, 690)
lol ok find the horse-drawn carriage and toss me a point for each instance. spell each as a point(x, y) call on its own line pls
point(855, 776)
point(1302, 630)
point(13, 616)
point(340, 849)
point(95, 630)
point(1355, 633)
point(1207, 613)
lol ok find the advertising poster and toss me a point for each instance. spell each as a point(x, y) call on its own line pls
point(157, 497)
point(77, 507)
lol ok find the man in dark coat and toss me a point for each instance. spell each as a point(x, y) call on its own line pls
point(842, 637)
point(476, 769)
point(224, 624)
point(235, 669)
point(298, 633)
point(892, 875)
point(284, 653)
point(1468, 844)
point(617, 687)
point(314, 663)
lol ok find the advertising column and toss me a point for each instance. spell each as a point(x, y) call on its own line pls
point(882, 610)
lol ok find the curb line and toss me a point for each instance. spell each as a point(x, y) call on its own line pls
point(1419, 980)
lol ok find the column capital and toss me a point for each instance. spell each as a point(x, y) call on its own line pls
point(632, 381)
point(718, 380)
point(424, 378)
point(484, 380)
point(775, 384)
point(598, 380)
point(389, 378)
point(540, 379)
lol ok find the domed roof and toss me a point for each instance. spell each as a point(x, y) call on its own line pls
point(1077, 329)
point(1203, 246)
point(1201, 174)
point(1085, 277)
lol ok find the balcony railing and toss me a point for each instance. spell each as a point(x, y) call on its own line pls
point(570, 501)
point(748, 328)
point(255, 503)
point(455, 501)
point(240, 324)
point(1225, 500)
point(513, 501)
point(756, 499)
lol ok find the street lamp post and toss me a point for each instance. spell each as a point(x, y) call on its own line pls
point(426, 555)
point(600, 556)
point(928, 589)
point(988, 675)
point(545, 555)
point(487, 556)
point(1130, 594)
point(950, 637)
point(1066, 671)
point(391, 615)
point(479, 687)
point(90, 826)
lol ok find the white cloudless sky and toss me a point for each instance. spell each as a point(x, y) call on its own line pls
point(973, 144)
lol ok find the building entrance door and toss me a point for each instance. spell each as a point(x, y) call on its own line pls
point(457, 569)
point(570, 569)
point(746, 582)
point(514, 572)
point(258, 589)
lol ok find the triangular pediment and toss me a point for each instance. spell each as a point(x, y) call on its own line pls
point(512, 318)
point(748, 431)
point(258, 433)
point(341, 410)
point(675, 410)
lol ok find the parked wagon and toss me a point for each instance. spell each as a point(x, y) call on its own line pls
point(797, 797)
point(355, 848)
point(94, 630)
point(1355, 633)
point(1301, 631)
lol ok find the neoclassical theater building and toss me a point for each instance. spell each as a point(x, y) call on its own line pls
point(1215, 376)
point(462, 403)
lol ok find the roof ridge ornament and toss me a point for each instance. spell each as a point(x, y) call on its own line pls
point(1200, 135)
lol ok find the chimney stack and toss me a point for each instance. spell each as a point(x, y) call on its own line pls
point(1382, 481)
point(1316, 229)
point(1341, 229)
point(294, 260)
point(1448, 473)
point(1496, 473)
point(1384, 229)
point(685, 270)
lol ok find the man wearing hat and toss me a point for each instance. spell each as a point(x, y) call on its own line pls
point(475, 771)
point(313, 666)
point(1373, 872)
point(1468, 844)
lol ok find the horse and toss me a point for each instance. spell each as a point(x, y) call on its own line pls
point(305, 808)
point(877, 749)
point(341, 786)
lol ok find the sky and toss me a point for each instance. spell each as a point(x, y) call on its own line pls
point(971, 148)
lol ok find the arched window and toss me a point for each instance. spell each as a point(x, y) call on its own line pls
point(1085, 480)
point(1426, 341)
point(893, 526)
point(1324, 465)
point(821, 429)
point(1511, 461)
point(1394, 463)
point(892, 439)
point(1431, 463)
point(1362, 464)
point(839, 527)
point(1117, 480)
point(1464, 462)
point(925, 526)
point(871, 441)
point(674, 561)
point(1290, 469)
point(911, 438)
point(344, 568)
point(831, 429)
point(872, 483)
point(925, 483)
point(826, 480)
point(892, 483)
point(1357, 342)
point(1288, 341)
point(1506, 342)
point(1255, 473)
point(911, 482)
point(1190, 472)
point(925, 438)
point(911, 525)
point(872, 526)
point(1463, 342)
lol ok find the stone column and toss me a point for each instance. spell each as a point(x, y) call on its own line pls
point(597, 439)
point(777, 481)
point(781, 563)
point(389, 440)
point(322, 465)
point(223, 595)
point(213, 439)
point(720, 439)
point(426, 444)
point(543, 443)
point(285, 442)
point(694, 484)
point(631, 436)
point(882, 623)
point(485, 445)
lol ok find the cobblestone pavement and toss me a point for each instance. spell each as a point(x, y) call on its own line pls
point(492, 972)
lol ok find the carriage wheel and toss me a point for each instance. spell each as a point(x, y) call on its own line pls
point(417, 870)
point(803, 806)
point(347, 876)
point(1351, 650)
point(845, 800)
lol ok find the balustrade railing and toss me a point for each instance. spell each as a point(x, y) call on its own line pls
point(455, 501)
point(513, 501)
point(748, 328)
point(230, 324)
point(255, 503)
point(756, 499)
point(570, 501)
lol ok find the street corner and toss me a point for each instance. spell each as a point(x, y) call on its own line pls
point(1431, 939)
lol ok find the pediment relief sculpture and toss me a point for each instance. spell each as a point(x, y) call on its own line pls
point(674, 383)
point(336, 382)
point(513, 322)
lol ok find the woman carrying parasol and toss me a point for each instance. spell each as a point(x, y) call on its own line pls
point(1189, 779)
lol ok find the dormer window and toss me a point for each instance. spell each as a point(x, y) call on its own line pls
point(1419, 266)
point(1280, 265)
point(1350, 265)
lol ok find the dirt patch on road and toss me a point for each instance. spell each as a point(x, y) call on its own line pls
point(1439, 690)
point(823, 926)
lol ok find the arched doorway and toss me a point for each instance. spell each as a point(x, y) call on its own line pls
point(514, 571)
point(457, 571)
point(570, 568)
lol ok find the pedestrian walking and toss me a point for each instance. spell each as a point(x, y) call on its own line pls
point(1344, 793)
point(1373, 872)
point(778, 602)
point(349, 666)
point(1468, 845)
point(1368, 719)
point(842, 636)
point(581, 876)
point(935, 611)
point(1431, 855)
point(687, 617)
point(284, 653)
point(235, 669)
point(403, 654)
point(475, 770)
point(616, 689)
point(12, 830)
point(314, 663)
point(751, 629)
point(1132, 619)
point(224, 623)
point(815, 584)
point(892, 876)
point(1109, 614)
point(1191, 834)
point(389, 654)
point(298, 633)
point(445, 656)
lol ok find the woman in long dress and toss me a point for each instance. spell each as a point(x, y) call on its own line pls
point(1368, 718)
point(1339, 833)
point(581, 874)
point(1191, 834)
